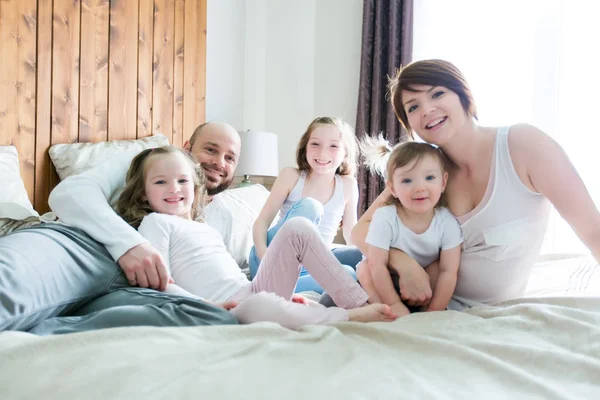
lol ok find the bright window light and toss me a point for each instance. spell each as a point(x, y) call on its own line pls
point(532, 61)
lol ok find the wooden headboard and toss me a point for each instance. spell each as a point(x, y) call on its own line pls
point(95, 70)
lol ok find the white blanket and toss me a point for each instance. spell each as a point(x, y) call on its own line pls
point(532, 348)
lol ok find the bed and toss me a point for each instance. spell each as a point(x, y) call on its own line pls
point(546, 345)
point(147, 84)
point(544, 348)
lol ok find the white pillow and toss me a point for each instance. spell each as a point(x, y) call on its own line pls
point(233, 213)
point(14, 202)
point(73, 159)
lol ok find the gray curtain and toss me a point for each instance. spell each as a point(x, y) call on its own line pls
point(386, 44)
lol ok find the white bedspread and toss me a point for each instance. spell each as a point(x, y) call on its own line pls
point(532, 348)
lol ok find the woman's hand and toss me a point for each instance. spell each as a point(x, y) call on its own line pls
point(415, 287)
point(360, 230)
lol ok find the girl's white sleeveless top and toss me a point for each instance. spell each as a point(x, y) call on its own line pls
point(333, 210)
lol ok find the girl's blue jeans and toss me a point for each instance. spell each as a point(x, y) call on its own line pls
point(348, 256)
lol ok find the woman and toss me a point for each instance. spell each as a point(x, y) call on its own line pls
point(500, 187)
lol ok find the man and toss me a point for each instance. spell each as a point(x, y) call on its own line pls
point(83, 201)
point(216, 146)
point(73, 274)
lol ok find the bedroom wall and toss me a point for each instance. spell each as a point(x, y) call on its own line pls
point(94, 70)
point(274, 64)
point(225, 60)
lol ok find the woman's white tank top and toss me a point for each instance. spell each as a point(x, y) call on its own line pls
point(503, 235)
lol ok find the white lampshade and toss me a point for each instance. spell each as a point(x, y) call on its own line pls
point(259, 156)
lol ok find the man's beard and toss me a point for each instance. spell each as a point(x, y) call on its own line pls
point(217, 189)
point(225, 183)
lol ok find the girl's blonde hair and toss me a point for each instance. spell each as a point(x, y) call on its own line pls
point(348, 165)
point(382, 158)
point(133, 205)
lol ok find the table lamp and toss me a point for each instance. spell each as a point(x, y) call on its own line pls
point(259, 156)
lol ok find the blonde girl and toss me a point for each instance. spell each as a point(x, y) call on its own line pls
point(322, 189)
point(414, 221)
point(163, 196)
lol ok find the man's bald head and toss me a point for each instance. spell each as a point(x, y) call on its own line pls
point(216, 146)
point(208, 127)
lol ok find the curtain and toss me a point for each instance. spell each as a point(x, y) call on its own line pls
point(386, 45)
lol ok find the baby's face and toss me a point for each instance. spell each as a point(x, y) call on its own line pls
point(419, 185)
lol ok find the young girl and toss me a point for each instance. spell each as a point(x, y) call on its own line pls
point(414, 220)
point(162, 197)
point(322, 189)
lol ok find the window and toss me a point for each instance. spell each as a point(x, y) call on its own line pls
point(535, 61)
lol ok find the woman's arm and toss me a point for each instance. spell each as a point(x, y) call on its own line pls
point(360, 230)
point(381, 279)
point(552, 174)
point(279, 192)
point(446, 282)
point(350, 210)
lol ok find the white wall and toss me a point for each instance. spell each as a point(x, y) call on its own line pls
point(274, 65)
point(337, 57)
point(225, 55)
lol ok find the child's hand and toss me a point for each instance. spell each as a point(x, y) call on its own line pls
point(297, 298)
point(228, 305)
point(400, 309)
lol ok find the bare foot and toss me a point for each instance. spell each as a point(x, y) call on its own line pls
point(372, 313)
point(400, 309)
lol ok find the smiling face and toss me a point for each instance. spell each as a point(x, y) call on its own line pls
point(434, 112)
point(420, 76)
point(419, 184)
point(216, 147)
point(325, 150)
point(169, 185)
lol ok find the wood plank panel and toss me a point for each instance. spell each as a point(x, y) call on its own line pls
point(123, 63)
point(91, 70)
point(178, 73)
point(93, 103)
point(17, 103)
point(194, 95)
point(65, 71)
point(45, 175)
point(26, 41)
point(8, 74)
point(145, 53)
point(162, 96)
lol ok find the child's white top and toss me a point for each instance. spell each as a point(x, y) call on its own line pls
point(333, 210)
point(195, 255)
point(386, 231)
point(86, 201)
